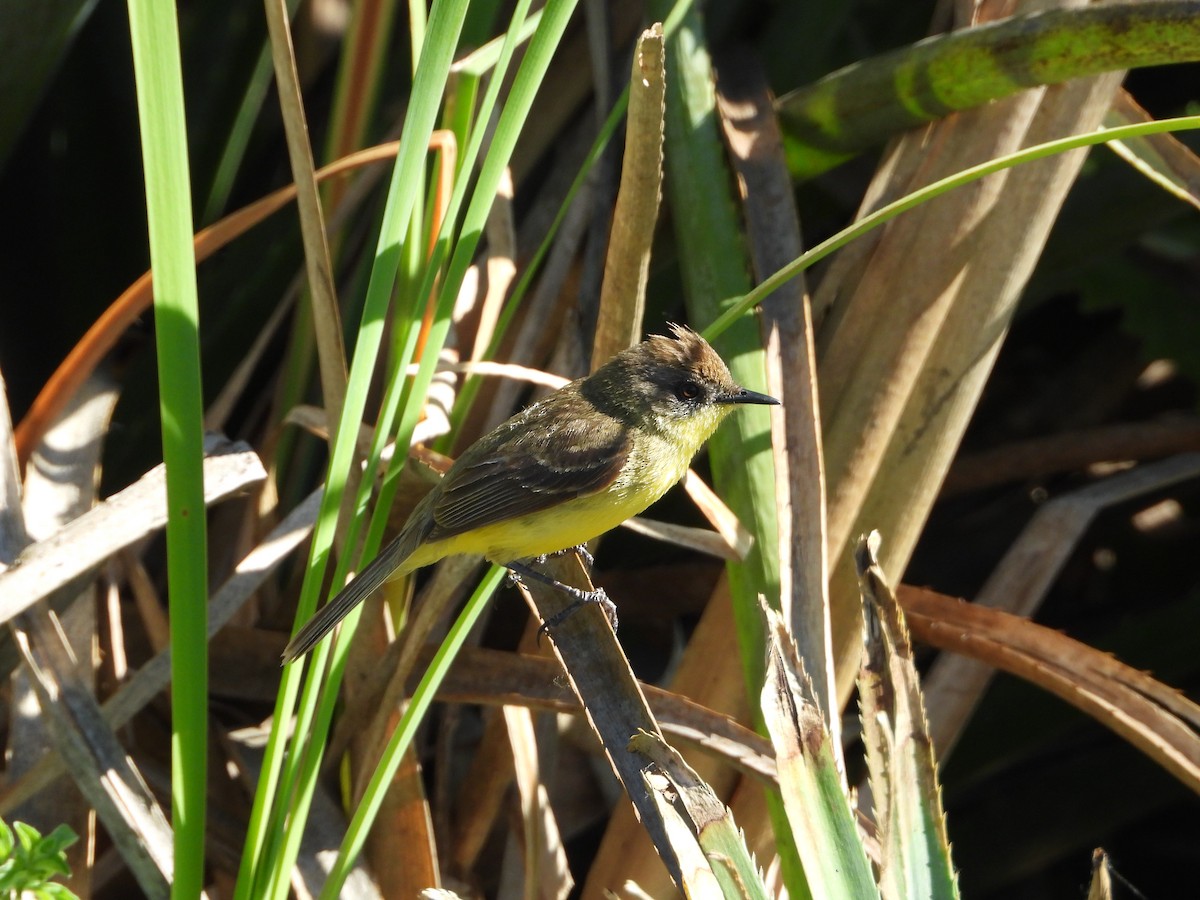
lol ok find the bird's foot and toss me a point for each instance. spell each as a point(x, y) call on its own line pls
point(519, 572)
point(582, 598)
point(589, 561)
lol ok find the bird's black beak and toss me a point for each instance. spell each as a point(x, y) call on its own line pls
point(741, 395)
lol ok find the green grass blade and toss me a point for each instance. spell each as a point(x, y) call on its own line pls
point(811, 787)
point(445, 24)
point(715, 266)
point(155, 35)
point(301, 772)
point(515, 110)
point(406, 332)
point(239, 135)
point(406, 327)
point(737, 309)
point(480, 62)
point(913, 844)
point(472, 383)
point(402, 737)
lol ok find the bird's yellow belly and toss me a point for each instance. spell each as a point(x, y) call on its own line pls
point(645, 478)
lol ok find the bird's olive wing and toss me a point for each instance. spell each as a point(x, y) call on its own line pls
point(557, 450)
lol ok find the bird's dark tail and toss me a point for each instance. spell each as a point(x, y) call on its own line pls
point(384, 566)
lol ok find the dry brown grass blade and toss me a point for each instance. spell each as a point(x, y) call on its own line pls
point(117, 664)
point(120, 520)
point(370, 643)
point(501, 266)
point(720, 516)
point(60, 485)
point(627, 266)
point(530, 340)
point(625, 853)
point(219, 411)
point(323, 831)
point(773, 235)
point(492, 677)
point(504, 370)
point(482, 790)
point(365, 37)
point(104, 773)
point(401, 848)
point(611, 696)
point(1162, 158)
point(1153, 717)
point(1070, 451)
point(149, 681)
point(313, 420)
point(702, 540)
point(147, 601)
point(1018, 584)
point(546, 871)
point(1100, 887)
point(327, 319)
point(921, 309)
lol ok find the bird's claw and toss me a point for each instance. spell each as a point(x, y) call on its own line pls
point(597, 596)
point(589, 561)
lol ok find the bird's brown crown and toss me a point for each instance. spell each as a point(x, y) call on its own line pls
point(686, 352)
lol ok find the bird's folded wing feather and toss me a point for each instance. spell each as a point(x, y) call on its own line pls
point(555, 451)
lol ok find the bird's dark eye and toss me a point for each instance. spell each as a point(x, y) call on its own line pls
point(687, 390)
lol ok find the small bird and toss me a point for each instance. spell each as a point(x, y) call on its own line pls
point(565, 470)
